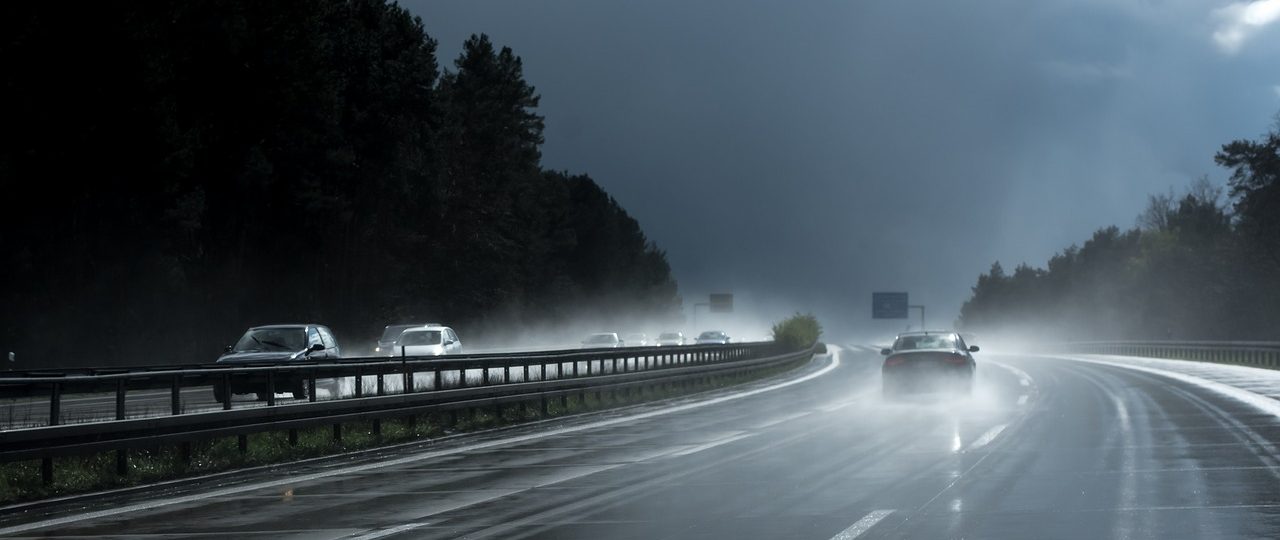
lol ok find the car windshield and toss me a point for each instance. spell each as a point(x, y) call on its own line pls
point(931, 341)
point(710, 335)
point(273, 339)
point(420, 337)
point(601, 338)
point(669, 336)
point(392, 332)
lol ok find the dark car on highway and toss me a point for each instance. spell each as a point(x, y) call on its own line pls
point(928, 362)
point(277, 344)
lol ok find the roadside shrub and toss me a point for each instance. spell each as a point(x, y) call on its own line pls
point(798, 331)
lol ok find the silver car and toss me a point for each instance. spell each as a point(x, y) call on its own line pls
point(603, 340)
point(713, 336)
point(430, 340)
point(670, 339)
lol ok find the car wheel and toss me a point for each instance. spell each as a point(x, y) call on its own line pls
point(300, 391)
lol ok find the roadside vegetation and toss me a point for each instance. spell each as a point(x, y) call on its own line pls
point(1198, 266)
point(190, 169)
point(21, 481)
point(800, 331)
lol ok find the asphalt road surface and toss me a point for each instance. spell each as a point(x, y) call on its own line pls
point(1046, 448)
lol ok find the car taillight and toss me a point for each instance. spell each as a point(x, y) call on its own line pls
point(894, 361)
point(956, 359)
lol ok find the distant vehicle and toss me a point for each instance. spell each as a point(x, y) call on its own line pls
point(276, 344)
point(387, 343)
point(928, 361)
point(430, 340)
point(636, 340)
point(670, 339)
point(713, 336)
point(603, 340)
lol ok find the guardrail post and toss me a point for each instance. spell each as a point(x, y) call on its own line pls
point(55, 404)
point(408, 380)
point(175, 395)
point(436, 382)
point(381, 385)
point(121, 385)
point(359, 384)
point(462, 377)
point(484, 376)
point(311, 388)
point(226, 391)
point(271, 388)
point(526, 373)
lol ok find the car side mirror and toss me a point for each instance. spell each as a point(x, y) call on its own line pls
point(973, 348)
point(449, 342)
point(316, 347)
point(886, 352)
point(228, 348)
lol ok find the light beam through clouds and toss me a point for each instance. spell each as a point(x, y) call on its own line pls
point(1241, 20)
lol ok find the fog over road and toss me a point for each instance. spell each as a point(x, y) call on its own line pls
point(1046, 448)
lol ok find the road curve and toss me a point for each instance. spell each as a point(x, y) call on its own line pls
point(1046, 448)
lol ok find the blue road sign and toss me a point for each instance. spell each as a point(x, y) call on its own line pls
point(889, 305)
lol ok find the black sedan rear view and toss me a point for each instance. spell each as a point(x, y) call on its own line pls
point(928, 362)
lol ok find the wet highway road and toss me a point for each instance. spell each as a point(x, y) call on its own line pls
point(1047, 448)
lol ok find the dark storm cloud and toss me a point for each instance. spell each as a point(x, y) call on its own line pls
point(806, 154)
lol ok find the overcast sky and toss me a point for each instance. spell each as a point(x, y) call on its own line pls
point(805, 154)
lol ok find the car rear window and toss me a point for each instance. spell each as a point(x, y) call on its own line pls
point(938, 341)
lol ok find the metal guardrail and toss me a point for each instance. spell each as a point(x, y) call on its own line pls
point(1263, 354)
point(543, 376)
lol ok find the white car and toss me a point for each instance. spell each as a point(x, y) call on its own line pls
point(432, 340)
point(670, 339)
point(713, 336)
point(636, 340)
point(604, 340)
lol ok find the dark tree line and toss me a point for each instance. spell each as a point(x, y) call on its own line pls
point(175, 172)
point(1197, 267)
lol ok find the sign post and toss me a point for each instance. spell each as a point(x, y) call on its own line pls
point(719, 303)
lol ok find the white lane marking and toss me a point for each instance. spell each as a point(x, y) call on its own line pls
point(837, 406)
point(388, 532)
point(1022, 400)
point(1258, 401)
point(862, 525)
point(1023, 379)
point(497, 494)
point(6, 531)
point(777, 421)
point(709, 445)
point(986, 438)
